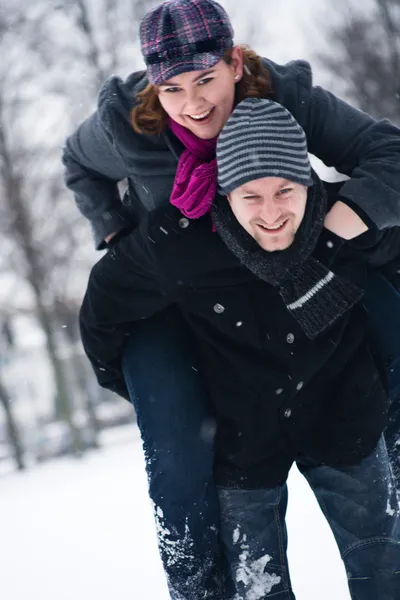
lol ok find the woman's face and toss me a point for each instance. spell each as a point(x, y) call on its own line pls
point(202, 101)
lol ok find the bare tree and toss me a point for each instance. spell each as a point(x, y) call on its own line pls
point(17, 194)
point(12, 428)
point(364, 55)
point(13, 434)
point(53, 62)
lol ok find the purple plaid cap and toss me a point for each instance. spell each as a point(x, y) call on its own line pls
point(178, 36)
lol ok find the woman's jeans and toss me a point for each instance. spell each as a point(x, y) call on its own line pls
point(177, 427)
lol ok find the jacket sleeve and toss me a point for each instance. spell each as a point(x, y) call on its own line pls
point(123, 288)
point(376, 248)
point(93, 168)
point(366, 150)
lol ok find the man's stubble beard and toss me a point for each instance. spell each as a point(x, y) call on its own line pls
point(260, 238)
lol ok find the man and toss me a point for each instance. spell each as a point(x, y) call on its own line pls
point(273, 301)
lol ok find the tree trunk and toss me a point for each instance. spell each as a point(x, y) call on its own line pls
point(63, 394)
point(13, 434)
point(69, 316)
point(88, 399)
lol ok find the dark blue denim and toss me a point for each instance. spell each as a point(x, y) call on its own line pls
point(177, 428)
point(361, 507)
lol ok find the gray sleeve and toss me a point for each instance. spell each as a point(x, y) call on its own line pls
point(92, 171)
point(366, 150)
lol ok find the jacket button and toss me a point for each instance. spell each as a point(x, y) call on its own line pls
point(218, 308)
point(287, 413)
point(299, 385)
point(278, 391)
point(329, 244)
point(290, 338)
point(183, 223)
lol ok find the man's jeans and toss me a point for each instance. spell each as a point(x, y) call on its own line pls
point(361, 507)
point(176, 425)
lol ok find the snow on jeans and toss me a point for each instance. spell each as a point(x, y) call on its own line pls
point(177, 429)
point(361, 507)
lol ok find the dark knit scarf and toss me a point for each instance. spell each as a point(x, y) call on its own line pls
point(312, 293)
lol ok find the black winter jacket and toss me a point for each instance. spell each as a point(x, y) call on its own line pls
point(276, 393)
point(105, 150)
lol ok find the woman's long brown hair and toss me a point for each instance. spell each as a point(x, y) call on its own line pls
point(149, 117)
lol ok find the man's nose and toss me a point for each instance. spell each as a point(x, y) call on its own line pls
point(270, 211)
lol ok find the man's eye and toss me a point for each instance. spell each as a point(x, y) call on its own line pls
point(251, 199)
point(285, 190)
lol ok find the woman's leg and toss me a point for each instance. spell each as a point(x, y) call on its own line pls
point(177, 429)
point(361, 507)
point(254, 542)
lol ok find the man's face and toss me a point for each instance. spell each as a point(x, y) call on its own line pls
point(270, 210)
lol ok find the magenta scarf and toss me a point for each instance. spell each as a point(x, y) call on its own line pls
point(195, 184)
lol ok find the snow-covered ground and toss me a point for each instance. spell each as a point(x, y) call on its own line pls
point(83, 530)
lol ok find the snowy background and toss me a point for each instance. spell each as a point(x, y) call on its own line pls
point(82, 528)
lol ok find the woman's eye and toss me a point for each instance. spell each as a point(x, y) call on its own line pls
point(171, 90)
point(205, 80)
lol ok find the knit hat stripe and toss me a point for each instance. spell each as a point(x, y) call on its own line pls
point(280, 155)
point(274, 107)
point(241, 168)
point(267, 116)
point(267, 119)
point(242, 123)
point(254, 138)
point(274, 133)
point(279, 171)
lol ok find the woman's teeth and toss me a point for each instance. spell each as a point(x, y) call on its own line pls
point(202, 116)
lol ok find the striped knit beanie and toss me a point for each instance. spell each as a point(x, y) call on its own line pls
point(261, 139)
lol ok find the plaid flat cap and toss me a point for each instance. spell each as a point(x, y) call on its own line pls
point(178, 36)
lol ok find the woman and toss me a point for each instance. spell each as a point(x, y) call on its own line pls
point(195, 75)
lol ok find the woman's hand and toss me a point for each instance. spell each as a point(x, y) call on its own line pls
point(344, 222)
